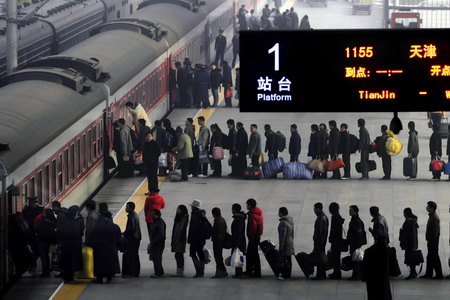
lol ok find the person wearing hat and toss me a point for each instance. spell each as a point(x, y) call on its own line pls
point(199, 231)
point(220, 46)
point(153, 201)
point(184, 152)
point(30, 212)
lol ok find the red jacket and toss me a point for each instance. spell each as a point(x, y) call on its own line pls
point(255, 224)
point(154, 201)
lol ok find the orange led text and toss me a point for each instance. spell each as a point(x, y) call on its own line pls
point(386, 94)
point(353, 72)
point(423, 51)
point(438, 70)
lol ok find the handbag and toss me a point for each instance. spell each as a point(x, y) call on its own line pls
point(218, 153)
point(436, 165)
point(414, 258)
point(237, 259)
point(229, 92)
point(347, 263)
point(228, 242)
point(335, 164)
point(358, 255)
point(317, 165)
point(343, 244)
point(203, 156)
point(137, 158)
point(330, 263)
point(110, 162)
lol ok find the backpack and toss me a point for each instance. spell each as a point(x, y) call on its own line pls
point(225, 141)
point(281, 141)
point(354, 143)
point(134, 138)
point(206, 229)
point(393, 145)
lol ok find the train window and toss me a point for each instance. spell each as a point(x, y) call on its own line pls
point(39, 186)
point(78, 150)
point(24, 193)
point(94, 142)
point(66, 168)
point(72, 162)
point(88, 146)
point(60, 174)
point(83, 151)
point(32, 182)
point(54, 179)
point(46, 184)
point(100, 137)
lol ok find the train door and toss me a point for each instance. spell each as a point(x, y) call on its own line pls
point(207, 43)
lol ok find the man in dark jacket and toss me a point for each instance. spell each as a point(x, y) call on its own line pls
point(235, 42)
point(227, 83)
point(435, 150)
point(432, 235)
point(242, 18)
point(241, 149)
point(150, 156)
point(46, 235)
point(254, 145)
point(157, 242)
point(333, 146)
point(219, 46)
point(131, 266)
point(30, 212)
point(409, 241)
point(184, 82)
point(255, 227)
point(376, 270)
point(198, 226)
point(323, 131)
point(143, 130)
point(344, 149)
point(381, 151)
point(295, 144)
point(314, 146)
point(201, 86)
point(238, 233)
point(379, 224)
point(193, 162)
point(413, 147)
point(364, 140)
point(271, 142)
point(215, 78)
point(294, 18)
point(335, 239)
point(320, 239)
point(218, 236)
point(232, 135)
point(356, 236)
point(159, 135)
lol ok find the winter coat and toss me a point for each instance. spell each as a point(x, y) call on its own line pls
point(294, 19)
point(435, 144)
point(159, 135)
point(241, 142)
point(295, 144)
point(69, 238)
point(171, 138)
point(413, 144)
point(142, 137)
point(255, 224)
point(356, 234)
point(179, 230)
point(254, 145)
point(324, 142)
point(215, 78)
point(195, 236)
point(158, 233)
point(375, 272)
point(216, 140)
point(140, 113)
point(227, 80)
point(91, 222)
point(126, 143)
point(286, 236)
point(380, 225)
point(219, 230)
point(190, 131)
point(151, 153)
point(433, 228)
point(203, 136)
point(184, 147)
point(304, 24)
point(333, 143)
point(30, 213)
point(235, 42)
point(133, 228)
point(232, 135)
point(336, 229)
point(46, 231)
point(344, 143)
point(201, 85)
point(221, 43)
point(408, 235)
point(364, 138)
point(380, 141)
point(271, 142)
point(238, 231)
point(314, 145)
point(154, 201)
point(106, 240)
point(320, 232)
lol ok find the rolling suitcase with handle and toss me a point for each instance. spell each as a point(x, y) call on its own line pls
point(410, 166)
point(305, 265)
point(272, 255)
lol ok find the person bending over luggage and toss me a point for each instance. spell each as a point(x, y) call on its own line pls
point(413, 147)
point(286, 242)
point(295, 144)
point(218, 238)
point(356, 236)
point(320, 239)
point(335, 239)
point(408, 240)
point(238, 233)
point(255, 227)
point(178, 245)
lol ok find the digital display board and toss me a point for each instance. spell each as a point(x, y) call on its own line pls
point(345, 70)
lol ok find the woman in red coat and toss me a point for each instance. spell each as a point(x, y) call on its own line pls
point(153, 201)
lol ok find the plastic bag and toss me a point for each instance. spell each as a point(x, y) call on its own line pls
point(237, 259)
point(207, 255)
point(358, 255)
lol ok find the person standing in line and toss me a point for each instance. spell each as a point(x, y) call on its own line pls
point(184, 152)
point(294, 18)
point(379, 224)
point(232, 135)
point(238, 234)
point(413, 147)
point(432, 235)
point(144, 129)
point(227, 83)
point(198, 233)
point(218, 236)
point(126, 147)
point(335, 239)
point(46, 236)
point(150, 157)
point(159, 135)
point(435, 150)
point(324, 137)
point(189, 83)
point(91, 220)
point(286, 242)
point(364, 140)
point(157, 243)
point(385, 157)
point(254, 145)
point(138, 112)
point(408, 240)
point(190, 131)
point(295, 144)
point(215, 78)
point(241, 149)
point(153, 201)
point(216, 141)
point(304, 23)
point(314, 146)
point(203, 142)
point(237, 84)
point(182, 84)
point(344, 146)
point(178, 244)
point(242, 18)
point(333, 146)
point(235, 42)
point(356, 236)
point(219, 46)
point(271, 142)
point(375, 269)
point(131, 265)
point(255, 228)
point(320, 239)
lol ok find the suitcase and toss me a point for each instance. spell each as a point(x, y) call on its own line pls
point(394, 268)
point(88, 264)
point(443, 128)
point(252, 173)
point(302, 260)
point(372, 166)
point(272, 167)
point(409, 166)
point(291, 170)
point(174, 176)
point(272, 255)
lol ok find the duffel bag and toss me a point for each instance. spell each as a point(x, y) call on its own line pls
point(437, 164)
point(393, 145)
point(272, 167)
point(347, 263)
point(252, 173)
point(414, 258)
point(305, 172)
point(88, 264)
point(409, 166)
point(218, 153)
point(317, 165)
point(372, 166)
point(335, 164)
point(447, 168)
point(291, 170)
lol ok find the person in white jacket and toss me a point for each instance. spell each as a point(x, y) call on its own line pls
point(138, 112)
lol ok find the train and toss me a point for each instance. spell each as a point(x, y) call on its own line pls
point(56, 114)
